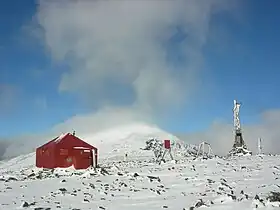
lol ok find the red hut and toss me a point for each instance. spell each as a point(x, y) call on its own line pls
point(65, 151)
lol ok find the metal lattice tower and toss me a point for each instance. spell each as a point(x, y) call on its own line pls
point(239, 145)
point(238, 138)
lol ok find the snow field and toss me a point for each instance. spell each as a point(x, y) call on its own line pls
point(221, 184)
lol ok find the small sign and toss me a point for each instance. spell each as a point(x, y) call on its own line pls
point(167, 144)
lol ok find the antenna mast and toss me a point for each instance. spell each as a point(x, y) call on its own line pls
point(260, 146)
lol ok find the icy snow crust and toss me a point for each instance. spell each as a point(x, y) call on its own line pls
point(138, 182)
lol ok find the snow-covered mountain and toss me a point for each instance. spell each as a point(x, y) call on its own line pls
point(114, 143)
point(127, 139)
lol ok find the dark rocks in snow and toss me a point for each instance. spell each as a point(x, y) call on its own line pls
point(154, 178)
point(258, 202)
point(92, 185)
point(199, 203)
point(8, 179)
point(226, 185)
point(276, 167)
point(274, 197)
point(210, 181)
point(221, 189)
point(31, 175)
point(233, 197)
point(123, 184)
point(258, 198)
point(120, 174)
point(222, 179)
point(243, 196)
point(183, 193)
point(39, 176)
point(104, 172)
point(86, 200)
point(63, 190)
point(25, 204)
point(193, 168)
point(101, 207)
point(135, 175)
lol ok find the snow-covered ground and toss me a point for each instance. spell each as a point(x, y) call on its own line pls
point(140, 183)
point(219, 183)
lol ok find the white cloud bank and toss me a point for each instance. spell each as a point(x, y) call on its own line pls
point(219, 134)
point(117, 50)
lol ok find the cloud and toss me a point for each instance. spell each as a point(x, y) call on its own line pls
point(106, 118)
point(117, 51)
point(8, 98)
point(221, 135)
point(4, 144)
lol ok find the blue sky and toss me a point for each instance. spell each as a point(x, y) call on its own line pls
point(241, 61)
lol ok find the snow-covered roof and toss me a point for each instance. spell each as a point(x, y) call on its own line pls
point(58, 139)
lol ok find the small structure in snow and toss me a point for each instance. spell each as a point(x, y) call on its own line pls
point(159, 148)
point(65, 151)
point(202, 150)
point(167, 149)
